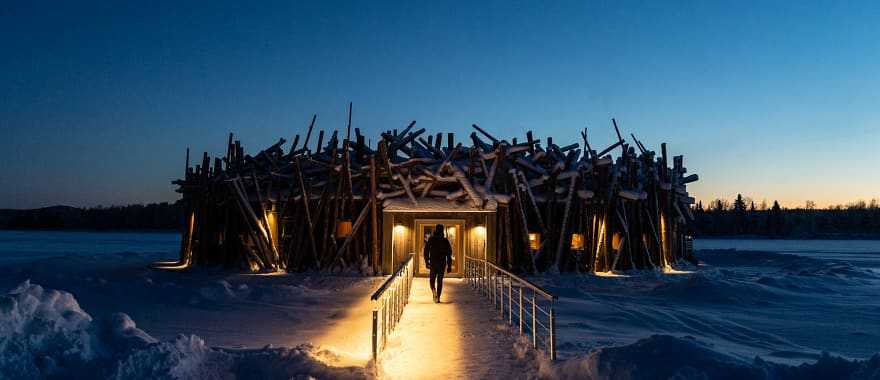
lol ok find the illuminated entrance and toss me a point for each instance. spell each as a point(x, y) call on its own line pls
point(454, 228)
point(405, 227)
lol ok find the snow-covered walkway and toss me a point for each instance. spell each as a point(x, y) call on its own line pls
point(460, 338)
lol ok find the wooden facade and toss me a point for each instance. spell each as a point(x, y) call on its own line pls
point(342, 204)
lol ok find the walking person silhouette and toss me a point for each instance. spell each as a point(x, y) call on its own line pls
point(438, 257)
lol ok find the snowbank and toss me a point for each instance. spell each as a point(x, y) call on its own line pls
point(668, 357)
point(45, 334)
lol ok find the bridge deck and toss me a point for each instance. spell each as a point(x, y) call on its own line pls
point(461, 337)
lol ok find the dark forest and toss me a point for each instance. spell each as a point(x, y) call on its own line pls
point(742, 218)
point(738, 218)
point(154, 216)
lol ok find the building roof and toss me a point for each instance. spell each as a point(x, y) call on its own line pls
point(434, 205)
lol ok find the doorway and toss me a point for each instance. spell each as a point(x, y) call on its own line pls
point(454, 233)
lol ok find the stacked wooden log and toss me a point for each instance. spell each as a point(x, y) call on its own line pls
point(317, 206)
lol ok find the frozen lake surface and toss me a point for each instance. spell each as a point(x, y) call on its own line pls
point(862, 253)
point(785, 301)
point(27, 245)
point(24, 245)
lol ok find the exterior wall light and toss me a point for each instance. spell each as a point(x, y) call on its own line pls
point(399, 228)
point(616, 241)
point(343, 228)
point(534, 240)
point(577, 242)
point(480, 230)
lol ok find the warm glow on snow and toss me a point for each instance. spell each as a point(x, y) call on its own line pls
point(275, 273)
point(671, 270)
point(348, 337)
point(175, 266)
point(609, 274)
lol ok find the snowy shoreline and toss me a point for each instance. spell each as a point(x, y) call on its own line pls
point(714, 320)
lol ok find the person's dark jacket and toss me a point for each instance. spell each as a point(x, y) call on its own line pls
point(438, 253)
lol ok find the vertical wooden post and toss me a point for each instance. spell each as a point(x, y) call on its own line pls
point(309, 222)
point(348, 128)
point(309, 133)
point(374, 217)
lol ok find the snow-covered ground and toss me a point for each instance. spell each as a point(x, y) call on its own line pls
point(738, 305)
point(706, 322)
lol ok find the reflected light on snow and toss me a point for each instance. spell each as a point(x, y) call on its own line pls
point(609, 274)
point(346, 342)
point(275, 273)
point(166, 263)
point(170, 265)
point(671, 270)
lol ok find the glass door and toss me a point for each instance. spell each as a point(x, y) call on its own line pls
point(455, 235)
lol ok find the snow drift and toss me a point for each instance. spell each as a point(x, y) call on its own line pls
point(44, 334)
point(668, 357)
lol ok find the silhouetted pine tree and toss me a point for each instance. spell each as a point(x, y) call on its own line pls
point(739, 214)
point(775, 221)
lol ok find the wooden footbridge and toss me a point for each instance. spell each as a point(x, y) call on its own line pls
point(478, 320)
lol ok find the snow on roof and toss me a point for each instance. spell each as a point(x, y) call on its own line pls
point(434, 205)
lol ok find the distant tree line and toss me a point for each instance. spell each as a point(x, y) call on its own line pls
point(740, 217)
point(154, 216)
point(743, 217)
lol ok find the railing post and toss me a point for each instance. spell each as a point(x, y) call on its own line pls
point(534, 322)
point(375, 333)
point(509, 301)
point(552, 332)
point(486, 274)
point(494, 290)
point(501, 293)
point(520, 310)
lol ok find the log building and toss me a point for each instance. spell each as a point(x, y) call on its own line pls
point(529, 205)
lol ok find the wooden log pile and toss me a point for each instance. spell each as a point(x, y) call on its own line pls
point(317, 205)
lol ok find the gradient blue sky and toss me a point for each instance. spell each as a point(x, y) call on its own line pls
point(776, 100)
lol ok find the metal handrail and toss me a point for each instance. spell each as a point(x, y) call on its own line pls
point(525, 282)
point(389, 301)
point(498, 285)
